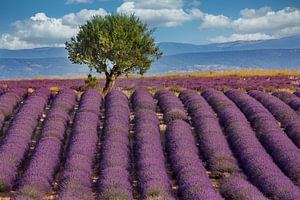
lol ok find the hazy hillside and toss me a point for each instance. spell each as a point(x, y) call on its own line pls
point(269, 59)
point(283, 43)
point(275, 54)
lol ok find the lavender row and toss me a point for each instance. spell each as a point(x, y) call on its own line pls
point(170, 105)
point(282, 112)
point(38, 178)
point(19, 135)
point(253, 158)
point(291, 99)
point(190, 174)
point(238, 188)
point(215, 149)
point(76, 180)
point(297, 93)
point(212, 142)
point(142, 99)
point(293, 127)
point(150, 162)
point(8, 101)
point(115, 181)
point(278, 145)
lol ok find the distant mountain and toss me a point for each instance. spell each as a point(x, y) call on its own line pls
point(271, 54)
point(171, 48)
point(265, 59)
point(47, 52)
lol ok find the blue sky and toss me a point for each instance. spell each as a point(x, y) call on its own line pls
point(40, 23)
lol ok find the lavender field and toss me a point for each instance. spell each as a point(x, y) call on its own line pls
point(141, 144)
point(262, 82)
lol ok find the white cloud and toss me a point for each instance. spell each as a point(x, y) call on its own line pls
point(155, 4)
point(41, 30)
point(214, 21)
point(8, 41)
point(245, 37)
point(251, 13)
point(78, 1)
point(167, 13)
point(268, 21)
point(82, 16)
point(263, 23)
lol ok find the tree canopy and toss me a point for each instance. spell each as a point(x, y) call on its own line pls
point(115, 45)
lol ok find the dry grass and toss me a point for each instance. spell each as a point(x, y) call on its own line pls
point(242, 72)
point(221, 73)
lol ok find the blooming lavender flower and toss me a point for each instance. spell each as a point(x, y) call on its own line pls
point(8, 101)
point(38, 177)
point(255, 161)
point(170, 105)
point(152, 175)
point(191, 176)
point(19, 136)
point(142, 99)
point(273, 138)
point(114, 180)
point(212, 142)
point(76, 180)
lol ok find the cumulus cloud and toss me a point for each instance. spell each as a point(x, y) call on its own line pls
point(74, 19)
point(167, 13)
point(252, 13)
point(8, 41)
point(263, 23)
point(78, 1)
point(41, 30)
point(214, 21)
point(268, 21)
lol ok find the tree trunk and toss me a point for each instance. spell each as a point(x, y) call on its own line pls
point(110, 81)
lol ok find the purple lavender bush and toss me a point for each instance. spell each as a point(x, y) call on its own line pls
point(8, 101)
point(142, 99)
point(170, 105)
point(19, 135)
point(37, 180)
point(278, 145)
point(152, 175)
point(76, 180)
point(212, 141)
point(115, 180)
point(190, 174)
point(256, 163)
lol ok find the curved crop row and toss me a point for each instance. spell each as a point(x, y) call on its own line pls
point(142, 99)
point(19, 135)
point(8, 101)
point(291, 99)
point(215, 149)
point(282, 112)
point(152, 175)
point(76, 180)
point(212, 142)
point(255, 161)
point(297, 93)
point(170, 105)
point(114, 181)
point(38, 178)
point(273, 138)
point(190, 174)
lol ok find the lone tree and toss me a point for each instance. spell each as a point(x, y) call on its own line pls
point(115, 45)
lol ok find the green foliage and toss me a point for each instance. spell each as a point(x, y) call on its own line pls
point(91, 82)
point(115, 45)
